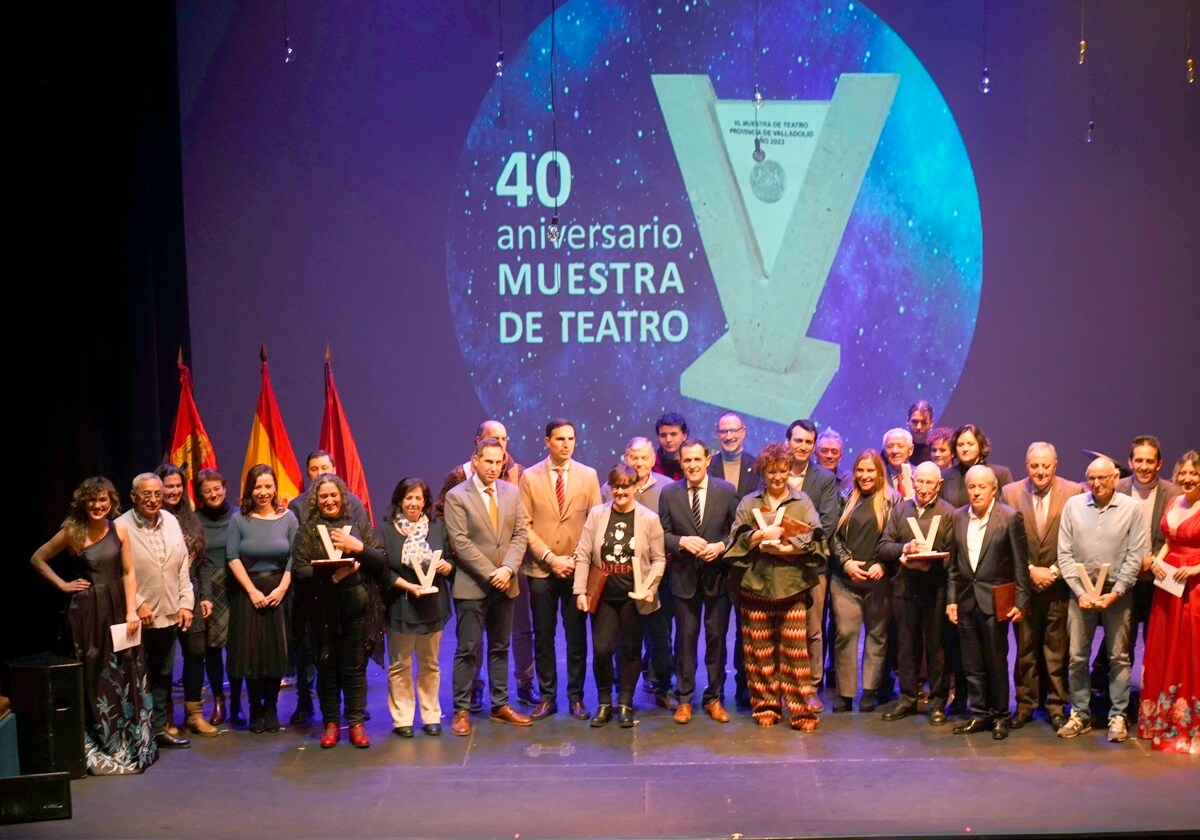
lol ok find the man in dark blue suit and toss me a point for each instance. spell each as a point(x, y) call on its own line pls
point(990, 548)
point(821, 487)
point(696, 513)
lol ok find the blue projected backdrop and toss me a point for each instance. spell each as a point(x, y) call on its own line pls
point(676, 232)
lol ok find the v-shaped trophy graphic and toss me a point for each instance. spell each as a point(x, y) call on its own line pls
point(771, 228)
point(334, 554)
point(426, 574)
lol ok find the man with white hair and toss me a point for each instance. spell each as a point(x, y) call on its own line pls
point(1100, 535)
point(989, 553)
point(897, 449)
point(1041, 673)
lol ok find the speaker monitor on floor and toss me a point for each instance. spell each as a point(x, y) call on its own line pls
point(47, 697)
point(43, 796)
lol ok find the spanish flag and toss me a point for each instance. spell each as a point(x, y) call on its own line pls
point(191, 449)
point(337, 440)
point(269, 442)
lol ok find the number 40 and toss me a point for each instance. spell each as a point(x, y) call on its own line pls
point(514, 179)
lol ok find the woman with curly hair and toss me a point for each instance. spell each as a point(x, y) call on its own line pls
point(118, 734)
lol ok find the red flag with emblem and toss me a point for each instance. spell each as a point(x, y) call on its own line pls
point(337, 440)
point(191, 449)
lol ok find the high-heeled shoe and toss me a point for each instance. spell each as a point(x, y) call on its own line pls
point(219, 714)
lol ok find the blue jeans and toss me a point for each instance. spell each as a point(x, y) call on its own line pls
point(1081, 628)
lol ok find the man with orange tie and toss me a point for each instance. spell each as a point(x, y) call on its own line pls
point(485, 525)
point(556, 495)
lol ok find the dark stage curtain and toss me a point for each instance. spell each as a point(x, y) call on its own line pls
point(94, 255)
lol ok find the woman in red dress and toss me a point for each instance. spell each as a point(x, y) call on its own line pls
point(1169, 714)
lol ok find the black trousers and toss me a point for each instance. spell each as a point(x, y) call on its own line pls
point(985, 659)
point(919, 631)
point(493, 613)
point(659, 661)
point(715, 610)
point(342, 663)
point(549, 597)
point(159, 644)
point(617, 622)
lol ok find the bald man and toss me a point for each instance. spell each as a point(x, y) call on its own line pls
point(919, 592)
point(1041, 672)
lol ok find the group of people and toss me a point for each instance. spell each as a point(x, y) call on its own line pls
point(920, 554)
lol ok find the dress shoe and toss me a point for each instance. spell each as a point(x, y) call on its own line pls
point(403, 731)
point(1057, 720)
point(683, 713)
point(358, 736)
point(716, 711)
point(257, 722)
point(1000, 729)
point(303, 714)
point(271, 720)
point(434, 729)
point(528, 695)
point(624, 716)
point(333, 734)
point(171, 729)
point(937, 718)
point(544, 710)
point(461, 725)
point(603, 715)
point(507, 714)
point(843, 704)
point(476, 707)
point(664, 701)
point(579, 711)
point(867, 702)
point(171, 742)
point(1020, 718)
point(815, 704)
point(975, 724)
point(903, 709)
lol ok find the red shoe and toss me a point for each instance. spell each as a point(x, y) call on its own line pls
point(333, 734)
point(358, 736)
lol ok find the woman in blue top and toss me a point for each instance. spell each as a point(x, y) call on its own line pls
point(259, 548)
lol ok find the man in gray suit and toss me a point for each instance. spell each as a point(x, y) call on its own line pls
point(486, 527)
point(1041, 673)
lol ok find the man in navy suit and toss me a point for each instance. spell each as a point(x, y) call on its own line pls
point(989, 549)
point(696, 513)
point(820, 485)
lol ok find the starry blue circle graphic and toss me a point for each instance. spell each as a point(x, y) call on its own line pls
point(901, 297)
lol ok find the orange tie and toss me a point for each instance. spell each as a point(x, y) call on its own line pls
point(493, 510)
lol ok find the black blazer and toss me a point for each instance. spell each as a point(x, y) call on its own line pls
point(908, 582)
point(1003, 558)
point(748, 481)
point(688, 574)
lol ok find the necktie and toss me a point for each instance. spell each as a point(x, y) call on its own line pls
point(1039, 509)
point(696, 507)
point(901, 486)
point(493, 510)
point(561, 492)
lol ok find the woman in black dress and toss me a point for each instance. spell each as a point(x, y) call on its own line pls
point(118, 736)
point(345, 617)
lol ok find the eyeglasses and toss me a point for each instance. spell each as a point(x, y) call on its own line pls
point(150, 494)
point(727, 432)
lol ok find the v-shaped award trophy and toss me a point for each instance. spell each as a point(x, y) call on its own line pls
point(333, 555)
point(426, 574)
point(772, 191)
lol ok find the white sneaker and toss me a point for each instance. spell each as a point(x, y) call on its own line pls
point(1076, 725)
point(1117, 730)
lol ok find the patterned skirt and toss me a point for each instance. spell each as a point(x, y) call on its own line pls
point(217, 623)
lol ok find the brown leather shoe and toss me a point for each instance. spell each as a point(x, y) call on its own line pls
point(716, 711)
point(683, 714)
point(462, 723)
point(544, 710)
point(507, 714)
point(579, 711)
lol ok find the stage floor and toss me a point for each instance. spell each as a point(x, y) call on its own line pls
point(856, 776)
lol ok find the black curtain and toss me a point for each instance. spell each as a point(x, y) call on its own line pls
point(98, 294)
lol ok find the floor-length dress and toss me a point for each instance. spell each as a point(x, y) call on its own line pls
point(1169, 712)
point(117, 733)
